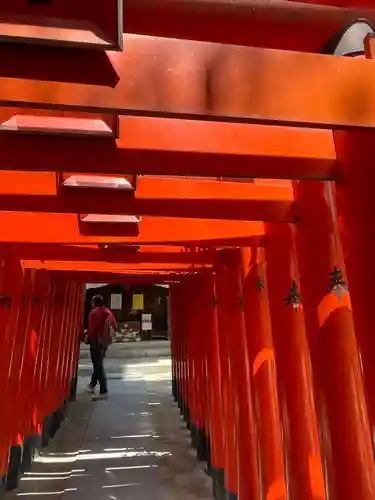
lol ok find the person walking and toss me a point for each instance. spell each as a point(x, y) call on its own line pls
point(101, 325)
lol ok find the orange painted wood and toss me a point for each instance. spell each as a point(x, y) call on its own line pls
point(107, 277)
point(336, 361)
point(33, 367)
point(233, 337)
point(19, 358)
point(344, 4)
point(261, 353)
point(191, 80)
point(231, 470)
point(12, 276)
point(58, 122)
point(294, 372)
point(181, 147)
point(213, 379)
point(90, 24)
point(301, 26)
point(111, 248)
point(30, 191)
point(28, 227)
point(121, 268)
point(95, 254)
point(280, 24)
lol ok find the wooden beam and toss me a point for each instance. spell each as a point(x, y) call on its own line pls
point(127, 279)
point(249, 210)
point(92, 254)
point(28, 227)
point(300, 25)
point(87, 24)
point(121, 268)
point(57, 122)
point(343, 4)
point(285, 24)
point(191, 80)
point(186, 198)
point(181, 147)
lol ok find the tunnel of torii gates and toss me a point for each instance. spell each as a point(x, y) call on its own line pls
point(226, 149)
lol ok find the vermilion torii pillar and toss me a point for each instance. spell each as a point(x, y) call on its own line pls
point(11, 279)
point(173, 308)
point(178, 322)
point(345, 436)
point(233, 336)
point(231, 471)
point(198, 409)
point(355, 194)
point(214, 381)
point(263, 372)
point(293, 364)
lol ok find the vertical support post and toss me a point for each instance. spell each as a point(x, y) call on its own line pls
point(53, 408)
point(18, 385)
point(32, 371)
point(196, 383)
point(294, 373)
point(354, 195)
point(74, 327)
point(190, 361)
point(173, 327)
point(231, 304)
point(11, 290)
point(64, 379)
point(347, 439)
point(214, 394)
point(230, 445)
point(27, 373)
point(184, 389)
point(264, 381)
point(200, 348)
point(64, 351)
point(70, 372)
point(169, 317)
point(204, 317)
point(63, 332)
point(78, 322)
point(44, 417)
point(69, 346)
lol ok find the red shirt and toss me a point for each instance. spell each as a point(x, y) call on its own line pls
point(97, 320)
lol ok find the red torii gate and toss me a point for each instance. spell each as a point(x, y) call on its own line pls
point(281, 328)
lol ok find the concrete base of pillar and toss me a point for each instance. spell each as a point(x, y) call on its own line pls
point(193, 432)
point(174, 389)
point(31, 445)
point(3, 482)
point(230, 495)
point(202, 445)
point(73, 388)
point(46, 432)
point(217, 476)
point(58, 417)
point(14, 468)
point(187, 417)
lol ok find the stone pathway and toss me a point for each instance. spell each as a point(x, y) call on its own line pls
point(133, 446)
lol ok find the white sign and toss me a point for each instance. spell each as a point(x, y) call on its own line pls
point(147, 326)
point(116, 301)
point(146, 317)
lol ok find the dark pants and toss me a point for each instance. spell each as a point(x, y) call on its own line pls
point(98, 375)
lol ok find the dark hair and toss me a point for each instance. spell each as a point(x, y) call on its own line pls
point(98, 301)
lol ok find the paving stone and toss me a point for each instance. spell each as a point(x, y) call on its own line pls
point(133, 446)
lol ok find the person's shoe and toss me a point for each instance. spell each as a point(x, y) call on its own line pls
point(91, 389)
point(100, 397)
